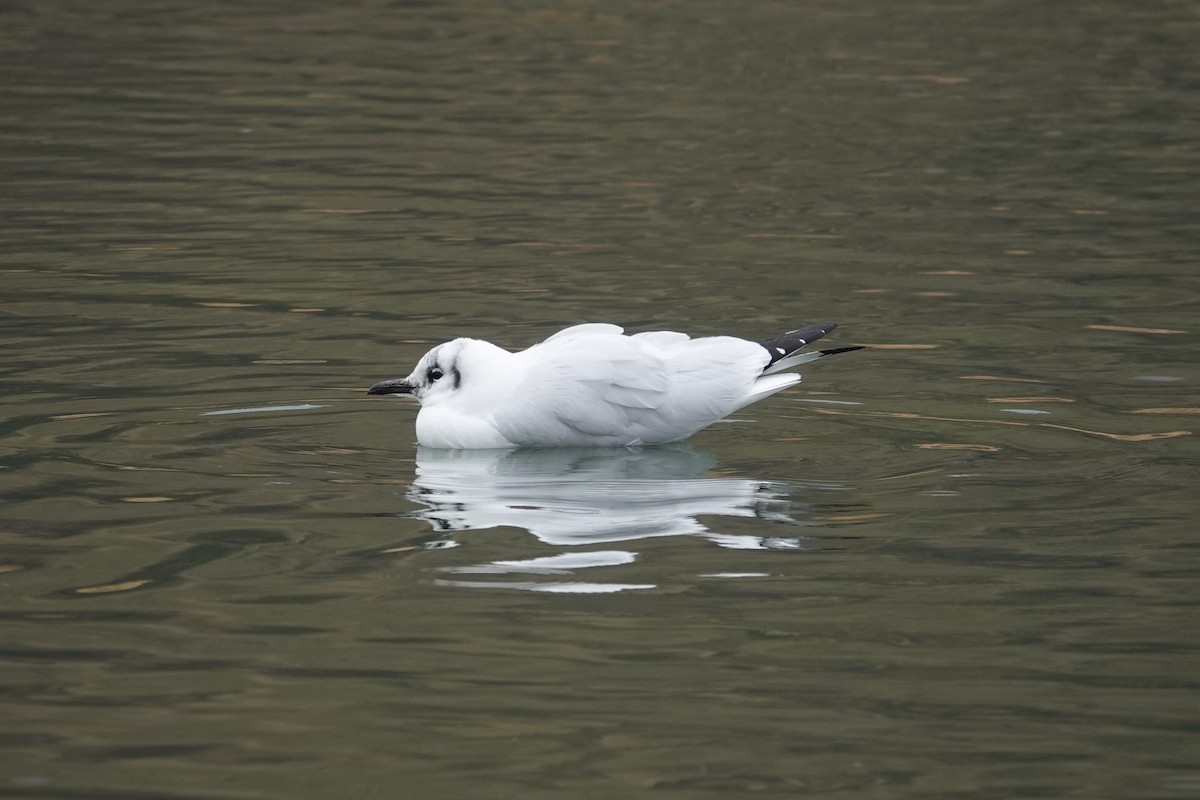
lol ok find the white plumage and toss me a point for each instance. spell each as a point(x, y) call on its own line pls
point(591, 385)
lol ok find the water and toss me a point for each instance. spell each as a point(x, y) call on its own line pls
point(961, 564)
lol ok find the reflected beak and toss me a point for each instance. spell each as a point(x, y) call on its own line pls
point(394, 386)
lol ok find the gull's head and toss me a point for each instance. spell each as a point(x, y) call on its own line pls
point(438, 375)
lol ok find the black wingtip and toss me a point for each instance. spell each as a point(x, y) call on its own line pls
point(785, 344)
point(837, 350)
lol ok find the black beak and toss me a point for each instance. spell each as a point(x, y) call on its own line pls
point(394, 386)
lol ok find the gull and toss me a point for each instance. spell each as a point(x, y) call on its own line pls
point(591, 385)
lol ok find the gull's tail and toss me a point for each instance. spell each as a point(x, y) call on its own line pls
point(784, 349)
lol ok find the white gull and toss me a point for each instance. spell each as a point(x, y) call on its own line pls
point(591, 385)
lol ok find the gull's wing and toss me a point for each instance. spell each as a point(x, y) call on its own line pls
point(583, 331)
point(594, 386)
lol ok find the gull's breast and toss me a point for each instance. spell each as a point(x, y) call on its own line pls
point(446, 428)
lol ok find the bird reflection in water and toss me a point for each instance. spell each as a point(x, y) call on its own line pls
point(589, 496)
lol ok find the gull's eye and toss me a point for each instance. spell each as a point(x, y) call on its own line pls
point(435, 374)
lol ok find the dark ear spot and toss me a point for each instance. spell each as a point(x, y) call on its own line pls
point(455, 375)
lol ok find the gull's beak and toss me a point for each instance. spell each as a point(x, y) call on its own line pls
point(394, 386)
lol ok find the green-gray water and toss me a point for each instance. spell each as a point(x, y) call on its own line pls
point(959, 566)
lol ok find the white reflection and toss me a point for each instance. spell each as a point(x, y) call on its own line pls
point(591, 496)
point(551, 565)
point(570, 497)
point(566, 587)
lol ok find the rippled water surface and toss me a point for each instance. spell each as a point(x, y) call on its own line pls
point(961, 563)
